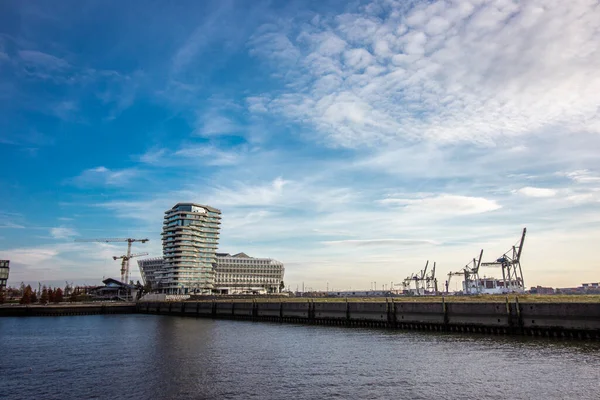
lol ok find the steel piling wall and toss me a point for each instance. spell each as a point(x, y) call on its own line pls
point(573, 320)
point(68, 309)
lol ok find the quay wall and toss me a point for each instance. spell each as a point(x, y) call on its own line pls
point(572, 320)
point(66, 309)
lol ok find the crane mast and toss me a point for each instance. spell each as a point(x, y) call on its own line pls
point(510, 262)
point(125, 258)
point(470, 273)
point(424, 282)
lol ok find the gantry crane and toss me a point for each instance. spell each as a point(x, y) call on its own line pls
point(127, 257)
point(512, 274)
point(423, 281)
point(407, 282)
point(471, 275)
point(125, 265)
point(450, 275)
point(431, 281)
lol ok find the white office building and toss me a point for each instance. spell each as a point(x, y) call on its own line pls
point(190, 238)
point(241, 274)
point(233, 274)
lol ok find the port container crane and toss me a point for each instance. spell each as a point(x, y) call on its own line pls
point(471, 274)
point(512, 273)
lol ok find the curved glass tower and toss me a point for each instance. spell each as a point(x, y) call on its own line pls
point(190, 238)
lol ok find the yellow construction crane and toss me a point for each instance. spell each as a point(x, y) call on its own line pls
point(126, 257)
point(125, 265)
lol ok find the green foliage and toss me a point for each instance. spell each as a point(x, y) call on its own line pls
point(50, 295)
point(34, 298)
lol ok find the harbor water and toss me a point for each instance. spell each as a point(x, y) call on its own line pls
point(166, 357)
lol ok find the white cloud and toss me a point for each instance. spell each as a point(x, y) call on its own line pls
point(241, 194)
point(102, 176)
point(63, 261)
point(62, 232)
point(209, 155)
point(445, 204)
point(10, 225)
point(530, 191)
point(380, 242)
point(212, 123)
point(29, 256)
point(582, 176)
point(153, 156)
point(190, 155)
point(460, 73)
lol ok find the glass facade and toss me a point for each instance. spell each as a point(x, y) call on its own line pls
point(190, 238)
point(4, 269)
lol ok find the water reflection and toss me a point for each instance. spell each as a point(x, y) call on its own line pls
point(145, 356)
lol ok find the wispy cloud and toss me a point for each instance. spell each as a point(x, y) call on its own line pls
point(350, 141)
point(62, 261)
point(213, 123)
point(443, 72)
point(63, 232)
point(209, 155)
point(445, 204)
point(11, 221)
point(11, 225)
point(380, 242)
point(102, 176)
point(44, 60)
point(582, 176)
point(189, 155)
point(537, 192)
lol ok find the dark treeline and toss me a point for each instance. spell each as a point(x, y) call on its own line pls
point(43, 294)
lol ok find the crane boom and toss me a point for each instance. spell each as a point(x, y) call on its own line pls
point(510, 262)
point(110, 240)
point(521, 244)
point(126, 258)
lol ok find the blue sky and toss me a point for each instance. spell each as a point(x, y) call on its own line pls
point(352, 141)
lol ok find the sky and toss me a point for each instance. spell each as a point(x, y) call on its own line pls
point(352, 141)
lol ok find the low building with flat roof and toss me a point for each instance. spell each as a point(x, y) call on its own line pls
point(240, 273)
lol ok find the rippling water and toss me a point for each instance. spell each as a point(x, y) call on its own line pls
point(163, 357)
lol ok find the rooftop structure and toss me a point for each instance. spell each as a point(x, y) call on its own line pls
point(114, 290)
point(190, 238)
